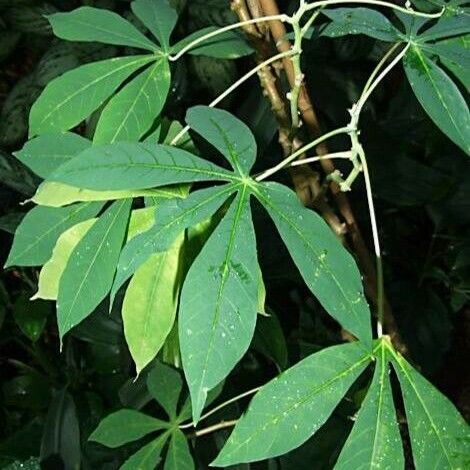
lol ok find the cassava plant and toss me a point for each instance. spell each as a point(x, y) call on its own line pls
point(139, 218)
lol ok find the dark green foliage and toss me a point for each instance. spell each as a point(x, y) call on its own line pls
point(164, 283)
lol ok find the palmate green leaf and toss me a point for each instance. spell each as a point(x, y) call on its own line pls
point(165, 385)
point(70, 98)
point(172, 218)
point(439, 96)
point(439, 436)
point(326, 267)
point(375, 440)
point(293, 406)
point(136, 166)
point(227, 134)
point(132, 111)
point(98, 25)
point(159, 17)
point(358, 20)
point(89, 274)
point(219, 302)
point(228, 45)
point(125, 426)
point(178, 456)
point(150, 304)
point(44, 154)
point(51, 272)
point(39, 230)
point(148, 456)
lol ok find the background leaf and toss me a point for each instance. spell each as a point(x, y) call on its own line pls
point(179, 455)
point(148, 456)
point(125, 426)
point(165, 385)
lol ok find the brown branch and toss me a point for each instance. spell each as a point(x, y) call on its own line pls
point(307, 183)
point(305, 180)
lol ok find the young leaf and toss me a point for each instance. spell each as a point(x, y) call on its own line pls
point(360, 20)
point(89, 274)
point(40, 228)
point(227, 45)
point(172, 218)
point(98, 25)
point(439, 96)
point(440, 438)
point(51, 272)
point(293, 406)
point(131, 112)
point(219, 303)
point(375, 440)
point(446, 26)
point(147, 457)
point(150, 305)
point(70, 98)
point(54, 194)
point(159, 18)
point(327, 268)
point(165, 384)
point(229, 135)
point(44, 154)
point(136, 166)
point(178, 456)
point(125, 426)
